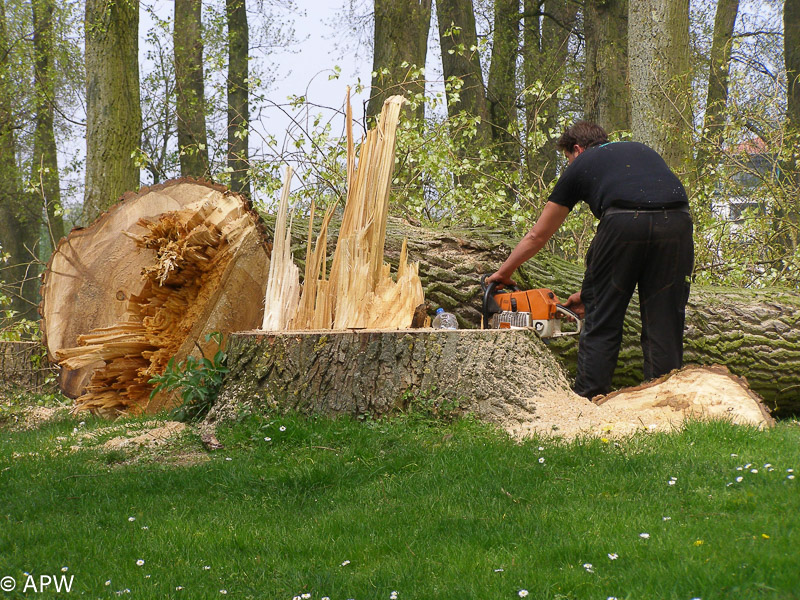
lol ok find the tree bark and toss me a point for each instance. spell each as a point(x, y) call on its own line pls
point(458, 40)
point(718, 74)
point(19, 221)
point(501, 90)
point(113, 113)
point(607, 100)
point(791, 53)
point(752, 332)
point(376, 372)
point(658, 52)
point(401, 46)
point(190, 103)
point(45, 154)
point(547, 29)
point(238, 96)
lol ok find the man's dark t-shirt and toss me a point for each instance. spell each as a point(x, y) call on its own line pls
point(619, 174)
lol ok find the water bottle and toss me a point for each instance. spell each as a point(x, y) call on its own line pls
point(444, 320)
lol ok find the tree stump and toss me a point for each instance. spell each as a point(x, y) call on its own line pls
point(496, 375)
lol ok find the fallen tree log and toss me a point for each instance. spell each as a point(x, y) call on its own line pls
point(752, 332)
point(124, 296)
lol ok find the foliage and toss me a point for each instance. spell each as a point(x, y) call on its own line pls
point(198, 380)
point(337, 508)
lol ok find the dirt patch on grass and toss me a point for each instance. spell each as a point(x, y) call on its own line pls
point(34, 417)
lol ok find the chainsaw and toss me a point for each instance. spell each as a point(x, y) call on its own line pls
point(520, 309)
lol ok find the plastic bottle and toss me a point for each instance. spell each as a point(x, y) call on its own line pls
point(444, 320)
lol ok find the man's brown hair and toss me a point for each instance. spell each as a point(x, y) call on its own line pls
point(582, 133)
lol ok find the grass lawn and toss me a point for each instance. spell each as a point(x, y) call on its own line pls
point(405, 508)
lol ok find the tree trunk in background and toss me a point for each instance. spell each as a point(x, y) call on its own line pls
point(191, 104)
point(19, 220)
point(545, 52)
point(791, 45)
point(607, 100)
point(718, 73)
point(238, 96)
point(401, 45)
point(113, 112)
point(44, 165)
point(458, 40)
point(501, 89)
point(658, 54)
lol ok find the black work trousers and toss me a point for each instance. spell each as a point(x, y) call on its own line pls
point(653, 250)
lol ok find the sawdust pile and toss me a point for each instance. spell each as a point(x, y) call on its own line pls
point(693, 392)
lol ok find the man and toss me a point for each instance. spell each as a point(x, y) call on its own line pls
point(644, 238)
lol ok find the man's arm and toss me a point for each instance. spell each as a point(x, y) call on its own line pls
point(552, 217)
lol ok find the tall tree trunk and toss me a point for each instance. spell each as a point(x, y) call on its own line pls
point(19, 220)
point(45, 154)
point(191, 103)
point(607, 100)
point(113, 112)
point(458, 40)
point(791, 53)
point(718, 73)
point(658, 51)
point(238, 96)
point(401, 46)
point(547, 30)
point(502, 90)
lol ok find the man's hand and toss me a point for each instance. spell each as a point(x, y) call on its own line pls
point(499, 280)
point(575, 304)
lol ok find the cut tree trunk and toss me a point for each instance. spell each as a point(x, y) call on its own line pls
point(375, 372)
point(147, 282)
point(501, 376)
point(752, 332)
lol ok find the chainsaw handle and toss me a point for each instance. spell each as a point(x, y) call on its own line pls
point(569, 313)
point(489, 291)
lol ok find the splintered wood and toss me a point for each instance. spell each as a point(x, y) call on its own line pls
point(206, 275)
point(359, 291)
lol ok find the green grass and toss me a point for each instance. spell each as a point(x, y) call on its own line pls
point(358, 510)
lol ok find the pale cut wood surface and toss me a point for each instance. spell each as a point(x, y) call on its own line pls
point(201, 268)
point(96, 270)
point(360, 290)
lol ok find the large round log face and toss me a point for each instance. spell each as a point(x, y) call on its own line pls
point(496, 375)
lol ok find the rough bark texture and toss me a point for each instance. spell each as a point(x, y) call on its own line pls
point(189, 90)
point(19, 221)
point(658, 51)
point(492, 374)
point(752, 332)
point(718, 72)
point(45, 162)
point(501, 91)
point(458, 40)
point(791, 45)
point(238, 96)
point(400, 45)
point(607, 99)
point(22, 367)
point(546, 35)
point(113, 114)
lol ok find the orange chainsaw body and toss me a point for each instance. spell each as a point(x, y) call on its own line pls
point(541, 303)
